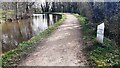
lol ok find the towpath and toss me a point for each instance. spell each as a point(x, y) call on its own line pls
point(62, 48)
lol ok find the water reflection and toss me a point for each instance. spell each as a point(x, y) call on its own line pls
point(17, 31)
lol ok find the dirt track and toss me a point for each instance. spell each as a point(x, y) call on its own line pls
point(62, 48)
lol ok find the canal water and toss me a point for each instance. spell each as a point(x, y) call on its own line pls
point(22, 30)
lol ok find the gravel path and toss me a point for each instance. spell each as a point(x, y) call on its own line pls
point(62, 48)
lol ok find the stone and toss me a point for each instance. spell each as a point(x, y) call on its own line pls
point(100, 33)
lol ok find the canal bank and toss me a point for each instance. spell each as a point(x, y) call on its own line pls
point(17, 31)
point(64, 47)
point(14, 56)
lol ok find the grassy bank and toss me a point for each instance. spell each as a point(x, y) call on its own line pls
point(1, 13)
point(7, 12)
point(106, 54)
point(14, 56)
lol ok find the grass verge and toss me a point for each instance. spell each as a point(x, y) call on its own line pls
point(12, 58)
point(0, 13)
point(99, 55)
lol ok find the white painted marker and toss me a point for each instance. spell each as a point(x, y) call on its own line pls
point(100, 33)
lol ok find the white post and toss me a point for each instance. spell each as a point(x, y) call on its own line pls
point(100, 33)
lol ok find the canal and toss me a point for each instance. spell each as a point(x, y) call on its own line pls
point(15, 32)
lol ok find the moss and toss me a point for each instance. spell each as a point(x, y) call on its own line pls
point(14, 56)
point(99, 55)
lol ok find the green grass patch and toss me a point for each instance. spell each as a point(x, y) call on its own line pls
point(99, 55)
point(7, 12)
point(14, 56)
point(0, 13)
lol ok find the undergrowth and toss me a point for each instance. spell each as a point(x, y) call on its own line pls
point(99, 55)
